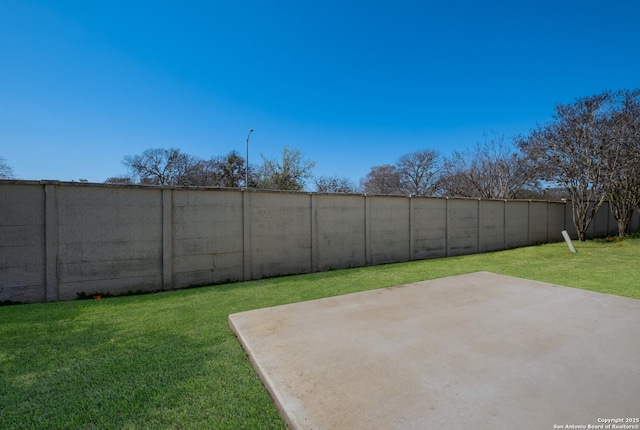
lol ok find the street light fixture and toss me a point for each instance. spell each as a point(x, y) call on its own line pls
point(246, 170)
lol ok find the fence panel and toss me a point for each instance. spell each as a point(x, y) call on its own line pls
point(109, 239)
point(207, 237)
point(517, 215)
point(280, 234)
point(429, 223)
point(22, 243)
point(538, 222)
point(58, 240)
point(462, 226)
point(388, 232)
point(492, 225)
point(339, 233)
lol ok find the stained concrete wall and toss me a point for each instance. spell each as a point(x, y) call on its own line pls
point(603, 223)
point(338, 233)
point(634, 225)
point(600, 224)
point(462, 226)
point(59, 240)
point(517, 224)
point(279, 234)
point(108, 239)
point(557, 221)
point(388, 229)
point(491, 224)
point(429, 227)
point(207, 238)
point(22, 243)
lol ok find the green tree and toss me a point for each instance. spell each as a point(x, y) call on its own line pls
point(231, 168)
point(289, 173)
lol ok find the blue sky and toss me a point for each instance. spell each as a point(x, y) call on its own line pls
point(352, 84)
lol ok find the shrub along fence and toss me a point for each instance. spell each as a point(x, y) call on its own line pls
point(61, 240)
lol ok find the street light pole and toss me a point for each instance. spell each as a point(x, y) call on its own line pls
point(246, 170)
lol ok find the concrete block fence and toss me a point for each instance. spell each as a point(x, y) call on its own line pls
point(58, 240)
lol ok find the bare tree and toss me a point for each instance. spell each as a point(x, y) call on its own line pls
point(418, 172)
point(173, 167)
point(622, 157)
point(334, 184)
point(223, 171)
point(121, 180)
point(491, 170)
point(289, 173)
point(383, 179)
point(161, 166)
point(569, 151)
point(6, 172)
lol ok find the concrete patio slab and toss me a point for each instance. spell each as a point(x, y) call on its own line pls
point(476, 351)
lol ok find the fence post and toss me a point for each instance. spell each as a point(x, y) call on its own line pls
point(566, 205)
point(504, 228)
point(548, 219)
point(246, 235)
point(447, 222)
point(167, 239)
point(314, 231)
point(529, 221)
point(411, 234)
point(479, 226)
point(52, 238)
point(367, 232)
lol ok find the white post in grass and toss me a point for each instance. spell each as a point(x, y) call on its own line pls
point(568, 240)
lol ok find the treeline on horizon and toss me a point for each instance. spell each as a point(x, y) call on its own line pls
point(588, 152)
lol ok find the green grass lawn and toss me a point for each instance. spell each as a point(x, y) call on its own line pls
point(170, 360)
